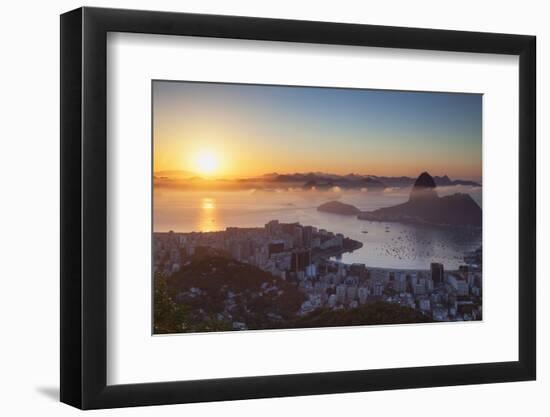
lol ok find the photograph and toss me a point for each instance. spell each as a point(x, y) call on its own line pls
point(283, 207)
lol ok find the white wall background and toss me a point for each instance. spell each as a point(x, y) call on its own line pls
point(29, 225)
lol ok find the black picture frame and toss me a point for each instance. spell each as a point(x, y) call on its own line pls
point(84, 207)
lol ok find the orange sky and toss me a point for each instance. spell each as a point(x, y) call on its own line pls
point(228, 130)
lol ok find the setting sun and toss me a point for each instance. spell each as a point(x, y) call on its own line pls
point(206, 162)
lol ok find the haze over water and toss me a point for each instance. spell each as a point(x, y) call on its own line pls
point(221, 136)
point(387, 245)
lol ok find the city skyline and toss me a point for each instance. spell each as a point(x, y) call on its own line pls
point(236, 130)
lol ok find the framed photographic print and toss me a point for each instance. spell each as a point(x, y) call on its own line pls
point(258, 207)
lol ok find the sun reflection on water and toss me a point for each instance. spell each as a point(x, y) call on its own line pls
point(208, 215)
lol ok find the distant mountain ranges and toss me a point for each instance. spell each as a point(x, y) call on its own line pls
point(424, 206)
point(173, 174)
point(444, 181)
point(321, 180)
point(312, 180)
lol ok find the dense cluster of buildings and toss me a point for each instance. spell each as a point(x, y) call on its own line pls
point(302, 255)
point(442, 295)
point(284, 249)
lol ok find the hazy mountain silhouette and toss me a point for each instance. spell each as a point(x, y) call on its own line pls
point(425, 206)
point(337, 207)
point(423, 188)
point(403, 182)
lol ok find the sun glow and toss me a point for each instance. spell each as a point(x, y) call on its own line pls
point(206, 162)
point(208, 204)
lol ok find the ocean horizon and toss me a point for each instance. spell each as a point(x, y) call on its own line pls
point(385, 244)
